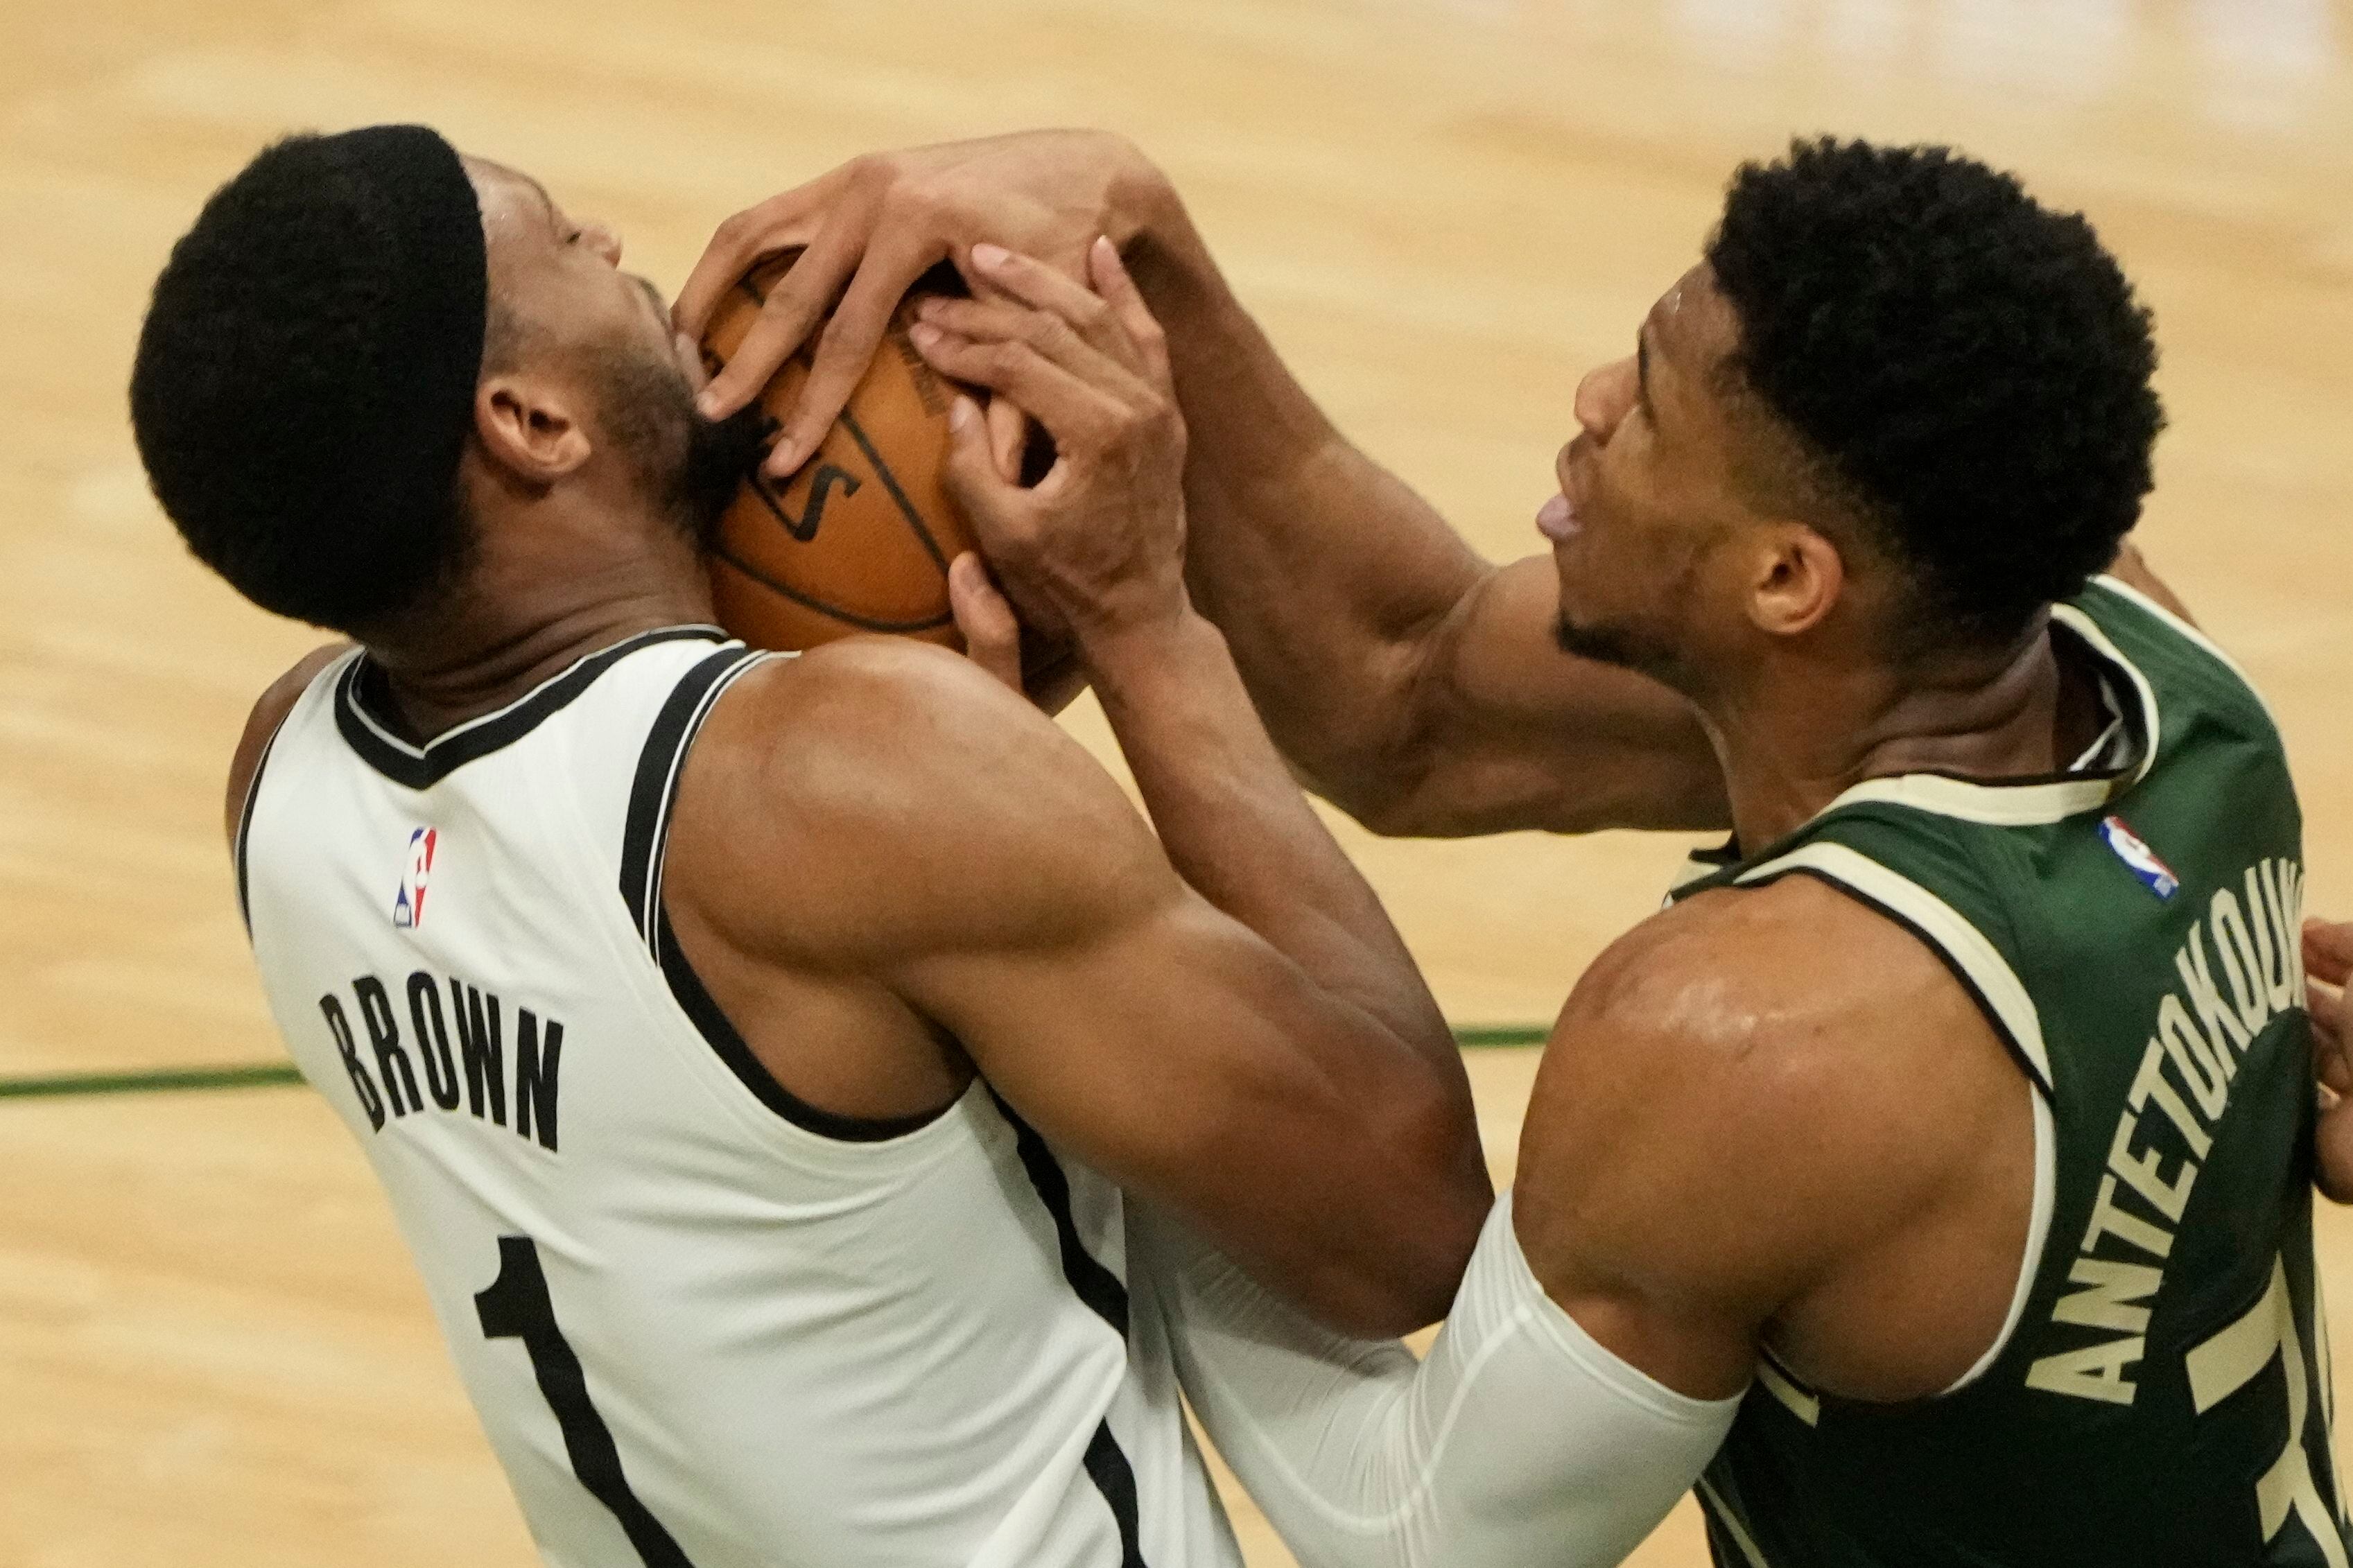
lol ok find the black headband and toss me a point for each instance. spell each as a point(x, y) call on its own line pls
point(428, 222)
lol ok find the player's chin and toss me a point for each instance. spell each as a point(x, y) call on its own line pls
point(1610, 642)
point(1580, 640)
point(1577, 626)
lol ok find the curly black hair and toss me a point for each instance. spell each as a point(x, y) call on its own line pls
point(1970, 367)
point(305, 377)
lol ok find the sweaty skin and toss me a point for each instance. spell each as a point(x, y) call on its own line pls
point(893, 873)
point(1731, 1142)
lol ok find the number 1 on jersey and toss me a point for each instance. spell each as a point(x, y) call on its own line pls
point(516, 1307)
point(2227, 1363)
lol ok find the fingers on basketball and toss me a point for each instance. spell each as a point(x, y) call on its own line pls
point(860, 537)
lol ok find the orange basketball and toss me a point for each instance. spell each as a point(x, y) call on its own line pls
point(860, 537)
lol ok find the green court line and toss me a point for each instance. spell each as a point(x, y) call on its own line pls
point(264, 1075)
point(1474, 1034)
point(275, 1075)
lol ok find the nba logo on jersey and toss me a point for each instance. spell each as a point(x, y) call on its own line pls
point(409, 904)
point(2139, 857)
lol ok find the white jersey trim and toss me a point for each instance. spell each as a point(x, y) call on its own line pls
point(2029, 804)
point(419, 767)
point(2152, 725)
point(644, 840)
point(328, 674)
point(1732, 1525)
point(654, 789)
point(2038, 1235)
point(1998, 990)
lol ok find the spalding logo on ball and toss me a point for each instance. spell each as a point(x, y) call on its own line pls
point(860, 537)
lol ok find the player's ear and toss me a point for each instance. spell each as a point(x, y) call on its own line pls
point(528, 426)
point(1797, 576)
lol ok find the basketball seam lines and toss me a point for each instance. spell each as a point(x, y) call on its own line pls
point(834, 612)
point(890, 482)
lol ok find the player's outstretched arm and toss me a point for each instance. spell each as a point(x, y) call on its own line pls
point(884, 813)
point(1409, 680)
point(1413, 683)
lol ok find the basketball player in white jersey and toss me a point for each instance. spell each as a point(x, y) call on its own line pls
point(754, 1050)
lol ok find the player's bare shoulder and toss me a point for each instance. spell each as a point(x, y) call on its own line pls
point(1838, 1023)
point(1786, 1001)
point(269, 712)
point(900, 794)
point(1747, 1093)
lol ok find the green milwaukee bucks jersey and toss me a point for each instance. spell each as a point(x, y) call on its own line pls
point(2160, 1393)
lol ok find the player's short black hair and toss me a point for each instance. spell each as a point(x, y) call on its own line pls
point(305, 377)
point(1971, 368)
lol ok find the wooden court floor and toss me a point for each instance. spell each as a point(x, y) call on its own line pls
point(211, 1348)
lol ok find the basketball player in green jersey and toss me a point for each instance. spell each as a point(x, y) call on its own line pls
point(1948, 1141)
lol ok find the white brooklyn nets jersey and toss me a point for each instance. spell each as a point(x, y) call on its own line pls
point(702, 1323)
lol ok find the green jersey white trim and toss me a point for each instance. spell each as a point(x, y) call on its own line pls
point(2152, 724)
point(1732, 1525)
point(1998, 805)
point(2177, 1056)
point(2190, 633)
point(1940, 924)
point(2038, 1233)
point(2002, 994)
point(1805, 1407)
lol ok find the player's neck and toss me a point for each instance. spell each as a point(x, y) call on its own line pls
point(536, 601)
point(1793, 741)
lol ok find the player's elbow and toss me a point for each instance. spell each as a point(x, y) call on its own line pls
point(1410, 1286)
point(1359, 765)
point(1408, 1278)
point(1429, 1278)
point(1378, 807)
point(1452, 808)
point(1655, 798)
point(1391, 786)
